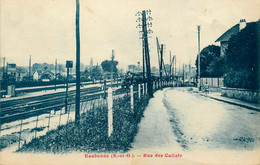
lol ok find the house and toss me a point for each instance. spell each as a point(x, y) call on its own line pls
point(36, 76)
point(224, 38)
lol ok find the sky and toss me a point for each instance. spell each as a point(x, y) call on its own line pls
point(45, 29)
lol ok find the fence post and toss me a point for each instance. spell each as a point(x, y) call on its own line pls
point(49, 121)
point(60, 115)
point(132, 97)
point(21, 127)
point(36, 126)
point(68, 114)
point(143, 88)
point(139, 91)
point(110, 111)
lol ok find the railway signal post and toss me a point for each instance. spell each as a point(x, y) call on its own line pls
point(69, 64)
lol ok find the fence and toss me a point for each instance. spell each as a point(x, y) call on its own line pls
point(212, 82)
point(54, 119)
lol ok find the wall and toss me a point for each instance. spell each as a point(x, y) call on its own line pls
point(241, 94)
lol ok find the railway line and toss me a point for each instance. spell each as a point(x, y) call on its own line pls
point(12, 110)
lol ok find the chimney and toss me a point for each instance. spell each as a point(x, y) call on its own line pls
point(242, 24)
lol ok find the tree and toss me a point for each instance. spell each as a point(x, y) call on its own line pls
point(106, 66)
point(132, 68)
point(211, 63)
point(43, 66)
point(36, 66)
point(242, 59)
point(96, 73)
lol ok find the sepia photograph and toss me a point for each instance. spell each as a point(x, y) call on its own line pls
point(130, 82)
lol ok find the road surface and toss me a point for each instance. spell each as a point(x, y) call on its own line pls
point(181, 121)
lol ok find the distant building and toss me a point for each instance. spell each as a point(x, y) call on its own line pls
point(224, 38)
point(47, 75)
point(11, 72)
point(36, 76)
point(21, 73)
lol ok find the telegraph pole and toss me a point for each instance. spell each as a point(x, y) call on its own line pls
point(29, 69)
point(145, 24)
point(148, 68)
point(161, 62)
point(143, 58)
point(183, 77)
point(77, 107)
point(55, 76)
point(199, 58)
point(4, 69)
point(175, 66)
point(170, 75)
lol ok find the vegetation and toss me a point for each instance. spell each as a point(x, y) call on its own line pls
point(242, 59)
point(91, 134)
point(107, 65)
point(7, 140)
point(211, 63)
point(94, 73)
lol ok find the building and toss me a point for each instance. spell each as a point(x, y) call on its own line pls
point(36, 76)
point(47, 75)
point(224, 38)
point(11, 72)
point(22, 74)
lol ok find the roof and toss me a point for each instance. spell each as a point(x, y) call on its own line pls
point(226, 36)
point(47, 72)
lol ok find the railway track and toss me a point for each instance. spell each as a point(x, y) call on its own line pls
point(23, 108)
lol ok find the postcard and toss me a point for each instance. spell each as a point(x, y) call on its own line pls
point(130, 82)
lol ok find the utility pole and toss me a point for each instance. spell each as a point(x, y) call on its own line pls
point(199, 58)
point(172, 64)
point(55, 68)
point(4, 69)
point(148, 68)
point(183, 77)
point(112, 66)
point(77, 107)
point(175, 59)
point(55, 76)
point(190, 72)
point(145, 24)
point(170, 74)
point(143, 58)
point(29, 69)
point(161, 63)
point(160, 59)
